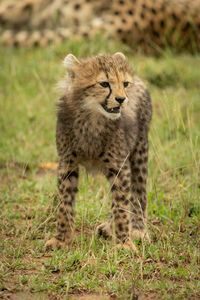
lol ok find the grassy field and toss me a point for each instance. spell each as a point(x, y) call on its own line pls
point(94, 268)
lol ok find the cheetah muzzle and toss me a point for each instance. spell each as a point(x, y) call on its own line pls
point(114, 110)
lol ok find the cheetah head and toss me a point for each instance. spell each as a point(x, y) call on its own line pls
point(100, 84)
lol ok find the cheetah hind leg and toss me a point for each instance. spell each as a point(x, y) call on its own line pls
point(105, 230)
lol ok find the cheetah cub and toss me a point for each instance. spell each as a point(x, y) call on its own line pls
point(103, 123)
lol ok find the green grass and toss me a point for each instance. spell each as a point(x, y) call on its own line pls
point(166, 269)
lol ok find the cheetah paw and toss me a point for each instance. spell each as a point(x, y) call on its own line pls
point(128, 245)
point(104, 229)
point(142, 235)
point(53, 243)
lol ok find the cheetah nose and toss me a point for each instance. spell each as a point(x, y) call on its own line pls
point(120, 99)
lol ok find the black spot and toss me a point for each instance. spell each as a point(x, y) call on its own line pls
point(123, 21)
point(109, 175)
point(186, 27)
point(153, 11)
point(62, 224)
point(130, 12)
point(124, 183)
point(101, 154)
point(121, 2)
point(69, 203)
point(120, 226)
point(116, 13)
point(126, 229)
point(75, 190)
point(152, 23)
point(119, 30)
point(61, 209)
point(145, 159)
point(139, 219)
point(61, 190)
point(73, 174)
point(143, 149)
point(144, 170)
point(125, 167)
point(28, 8)
point(113, 188)
point(121, 211)
point(106, 160)
point(143, 203)
point(77, 6)
point(122, 198)
point(16, 44)
point(139, 191)
point(174, 17)
point(127, 189)
point(139, 161)
point(141, 41)
point(71, 161)
point(69, 190)
point(142, 15)
point(123, 238)
point(162, 23)
point(134, 211)
point(126, 202)
point(119, 199)
point(124, 40)
point(74, 153)
point(117, 217)
point(140, 179)
point(136, 170)
point(156, 34)
point(65, 176)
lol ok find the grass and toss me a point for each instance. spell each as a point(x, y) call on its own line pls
point(93, 268)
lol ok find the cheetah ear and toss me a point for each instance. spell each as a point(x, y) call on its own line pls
point(120, 55)
point(71, 61)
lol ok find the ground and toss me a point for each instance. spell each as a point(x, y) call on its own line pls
point(94, 268)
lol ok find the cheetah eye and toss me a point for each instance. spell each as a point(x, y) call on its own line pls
point(104, 84)
point(126, 83)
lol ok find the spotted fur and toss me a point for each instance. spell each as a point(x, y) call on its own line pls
point(148, 25)
point(103, 123)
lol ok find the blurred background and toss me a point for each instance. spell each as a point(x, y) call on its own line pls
point(163, 50)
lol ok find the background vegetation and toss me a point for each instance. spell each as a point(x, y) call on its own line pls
point(94, 268)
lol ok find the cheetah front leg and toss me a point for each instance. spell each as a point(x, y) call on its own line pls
point(67, 186)
point(139, 165)
point(121, 187)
